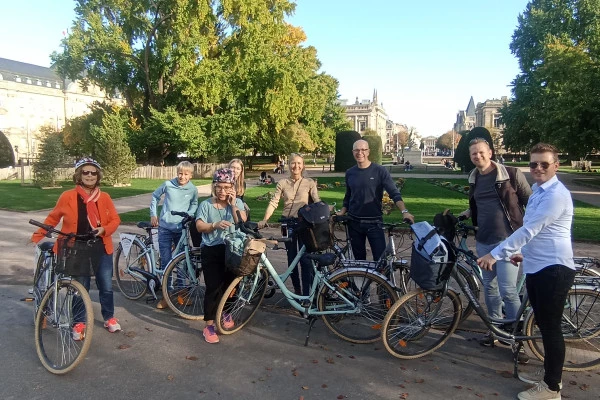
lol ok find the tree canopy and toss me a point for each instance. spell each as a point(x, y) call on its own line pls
point(205, 77)
point(557, 93)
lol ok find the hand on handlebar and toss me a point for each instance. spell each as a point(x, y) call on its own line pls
point(408, 218)
point(262, 224)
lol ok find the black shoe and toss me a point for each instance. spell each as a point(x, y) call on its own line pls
point(488, 340)
point(522, 357)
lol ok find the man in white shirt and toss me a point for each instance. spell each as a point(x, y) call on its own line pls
point(543, 244)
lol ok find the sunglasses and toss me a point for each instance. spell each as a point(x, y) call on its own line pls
point(478, 140)
point(92, 173)
point(543, 164)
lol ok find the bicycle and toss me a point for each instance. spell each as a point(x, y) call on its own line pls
point(61, 303)
point(421, 321)
point(338, 296)
point(138, 271)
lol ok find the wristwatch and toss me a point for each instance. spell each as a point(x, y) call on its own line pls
point(404, 211)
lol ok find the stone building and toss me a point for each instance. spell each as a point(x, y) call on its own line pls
point(367, 114)
point(429, 145)
point(465, 119)
point(32, 97)
point(393, 130)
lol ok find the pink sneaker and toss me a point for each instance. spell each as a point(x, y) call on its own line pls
point(210, 335)
point(78, 331)
point(112, 325)
point(227, 321)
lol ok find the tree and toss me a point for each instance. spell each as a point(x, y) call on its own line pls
point(448, 140)
point(113, 152)
point(52, 156)
point(7, 155)
point(557, 93)
point(234, 71)
point(462, 156)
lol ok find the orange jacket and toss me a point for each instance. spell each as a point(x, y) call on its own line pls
point(66, 209)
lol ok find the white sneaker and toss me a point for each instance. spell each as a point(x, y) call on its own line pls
point(536, 377)
point(539, 392)
point(112, 325)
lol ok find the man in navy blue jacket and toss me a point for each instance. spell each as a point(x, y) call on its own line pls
point(365, 183)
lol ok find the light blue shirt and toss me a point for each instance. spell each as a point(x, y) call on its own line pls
point(207, 212)
point(545, 237)
point(177, 198)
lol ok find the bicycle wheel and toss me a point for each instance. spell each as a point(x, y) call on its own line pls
point(241, 300)
point(132, 285)
point(56, 347)
point(183, 286)
point(371, 297)
point(420, 322)
point(581, 330)
point(41, 280)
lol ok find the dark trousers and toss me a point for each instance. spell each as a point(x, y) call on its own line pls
point(360, 231)
point(306, 267)
point(216, 277)
point(547, 290)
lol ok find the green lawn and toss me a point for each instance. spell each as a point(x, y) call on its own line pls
point(15, 197)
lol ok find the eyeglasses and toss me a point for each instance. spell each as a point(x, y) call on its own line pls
point(478, 140)
point(92, 173)
point(543, 164)
point(222, 188)
point(360, 150)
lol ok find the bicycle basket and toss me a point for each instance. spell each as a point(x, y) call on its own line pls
point(76, 257)
point(242, 254)
point(431, 263)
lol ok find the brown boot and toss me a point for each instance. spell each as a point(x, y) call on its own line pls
point(162, 304)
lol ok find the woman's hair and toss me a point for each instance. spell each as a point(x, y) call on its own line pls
point(78, 174)
point(239, 181)
point(185, 166)
point(291, 159)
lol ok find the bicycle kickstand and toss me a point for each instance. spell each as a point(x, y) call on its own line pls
point(516, 349)
point(311, 321)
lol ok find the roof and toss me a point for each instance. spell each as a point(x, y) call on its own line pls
point(11, 69)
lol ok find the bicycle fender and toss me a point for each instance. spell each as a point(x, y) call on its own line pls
point(359, 269)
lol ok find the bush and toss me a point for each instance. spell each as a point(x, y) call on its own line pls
point(7, 156)
point(343, 150)
point(375, 154)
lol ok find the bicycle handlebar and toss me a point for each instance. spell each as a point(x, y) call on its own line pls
point(186, 217)
point(248, 227)
point(50, 229)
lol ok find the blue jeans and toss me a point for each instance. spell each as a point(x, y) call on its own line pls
point(360, 231)
point(547, 290)
point(500, 284)
point(306, 267)
point(104, 275)
point(166, 240)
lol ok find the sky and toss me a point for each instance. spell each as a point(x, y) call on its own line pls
point(425, 58)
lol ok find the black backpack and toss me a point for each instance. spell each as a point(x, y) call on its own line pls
point(314, 227)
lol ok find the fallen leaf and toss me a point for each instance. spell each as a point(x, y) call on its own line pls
point(403, 368)
point(170, 377)
point(478, 395)
point(301, 398)
point(404, 395)
point(330, 360)
point(149, 330)
point(572, 383)
point(123, 346)
point(304, 387)
point(506, 374)
point(402, 386)
point(338, 355)
point(458, 387)
point(191, 358)
point(315, 361)
point(351, 357)
point(341, 396)
point(323, 386)
point(295, 373)
point(585, 386)
point(268, 368)
point(131, 334)
point(419, 380)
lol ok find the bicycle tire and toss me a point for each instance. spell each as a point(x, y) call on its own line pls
point(420, 322)
point(41, 281)
point(54, 343)
point(132, 286)
point(241, 300)
point(581, 330)
point(183, 286)
point(364, 326)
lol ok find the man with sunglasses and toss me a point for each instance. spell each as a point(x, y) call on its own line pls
point(497, 197)
point(365, 183)
point(543, 244)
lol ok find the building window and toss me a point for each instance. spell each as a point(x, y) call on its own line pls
point(362, 126)
point(497, 121)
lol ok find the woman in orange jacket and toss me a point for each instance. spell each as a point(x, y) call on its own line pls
point(82, 210)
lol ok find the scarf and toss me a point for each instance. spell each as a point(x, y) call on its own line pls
point(90, 203)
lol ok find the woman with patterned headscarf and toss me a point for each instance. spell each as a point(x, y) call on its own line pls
point(213, 219)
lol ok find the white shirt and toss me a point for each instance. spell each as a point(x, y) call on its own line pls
point(545, 237)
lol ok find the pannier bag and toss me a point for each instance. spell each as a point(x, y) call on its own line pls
point(75, 257)
point(242, 254)
point(430, 264)
point(314, 229)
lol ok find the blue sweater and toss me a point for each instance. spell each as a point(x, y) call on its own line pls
point(177, 198)
point(364, 191)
